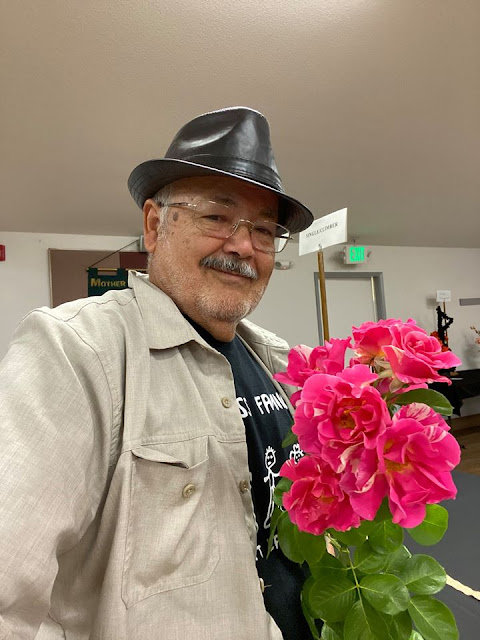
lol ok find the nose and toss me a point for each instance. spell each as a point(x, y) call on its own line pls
point(240, 240)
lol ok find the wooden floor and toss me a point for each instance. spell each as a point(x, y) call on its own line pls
point(467, 432)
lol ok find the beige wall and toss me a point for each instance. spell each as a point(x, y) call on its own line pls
point(411, 278)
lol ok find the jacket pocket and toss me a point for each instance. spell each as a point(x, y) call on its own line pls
point(172, 539)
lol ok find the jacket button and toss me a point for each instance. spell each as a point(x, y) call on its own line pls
point(188, 490)
point(262, 585)
point(227, 403)
point(244, 486)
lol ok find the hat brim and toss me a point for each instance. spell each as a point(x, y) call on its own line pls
point(150, 176)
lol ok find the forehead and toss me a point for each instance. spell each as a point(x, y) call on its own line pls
point(229, 191)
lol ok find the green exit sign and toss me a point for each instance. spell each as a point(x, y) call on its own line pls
point(355, 254)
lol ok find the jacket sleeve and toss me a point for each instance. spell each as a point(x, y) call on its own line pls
point(55, 421)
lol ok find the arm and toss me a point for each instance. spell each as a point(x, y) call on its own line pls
point(55, 418)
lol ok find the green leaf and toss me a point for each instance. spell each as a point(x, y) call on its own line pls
point(385, 593)
point(396, 561)
point(297, 545)
point(365, 527)
point(386, 537)
point(313, 547)
point(367, 560)
point(329, 562)
point(273, 527)
point(423, 575)
point(416, 636)
point(290, 438)
point(433, 399)
point(433, 619)
point(287, 539)
point(383, 512)
point(305, 608)
point(399, 626)
point(330, 634)
point(331, 596)
point(282, 486)
point(433, 528)
point(364, 623)
point(351, 538)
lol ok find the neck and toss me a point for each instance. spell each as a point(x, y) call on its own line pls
point(224, 331)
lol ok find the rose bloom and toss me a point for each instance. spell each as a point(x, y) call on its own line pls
point(423, 414)
point(339, 412)
point(364, 478)
point(304, 362)
point(416, 357)
point(417, 456)
point(402, 350)
point(370, 338)
point(364, 482)
point(315, 501)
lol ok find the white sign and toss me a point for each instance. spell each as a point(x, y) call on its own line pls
point(324, 232)
point(444, 296)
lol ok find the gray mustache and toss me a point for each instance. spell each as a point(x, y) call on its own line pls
point(233, 265)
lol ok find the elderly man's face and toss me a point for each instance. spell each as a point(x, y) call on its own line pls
point(206, 293)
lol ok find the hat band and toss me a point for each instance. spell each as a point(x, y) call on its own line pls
point(240, 167)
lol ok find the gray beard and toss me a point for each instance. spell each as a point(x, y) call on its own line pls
point(205, 303)
point(224, 310)
point(230, 265)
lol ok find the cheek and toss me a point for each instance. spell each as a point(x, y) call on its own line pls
point(265, 267)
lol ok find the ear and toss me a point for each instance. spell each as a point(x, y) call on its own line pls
point(150, 225)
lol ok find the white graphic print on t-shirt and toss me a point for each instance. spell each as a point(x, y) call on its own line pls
point(254, 407)
point(270, 460)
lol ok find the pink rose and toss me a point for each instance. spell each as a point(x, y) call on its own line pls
point(315, 501)
point(339, 412)
point(304, 362)
point(363, 481)
point(417, 458)
point(415, 356)
point(423, 414)
point(370, 338)
point(331, 357)
point(402, 350)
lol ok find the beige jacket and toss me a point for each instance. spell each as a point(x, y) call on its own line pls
point(125, 511)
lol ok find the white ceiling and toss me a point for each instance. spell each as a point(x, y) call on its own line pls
point(373, 104)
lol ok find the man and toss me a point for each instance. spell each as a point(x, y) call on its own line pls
point(141, 430)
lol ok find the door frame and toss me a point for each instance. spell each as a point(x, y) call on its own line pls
point(378, 293)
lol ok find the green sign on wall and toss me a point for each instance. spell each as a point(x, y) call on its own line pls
point(98, 283)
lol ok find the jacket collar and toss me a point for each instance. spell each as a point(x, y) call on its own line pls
point(166, 327)
point(164, 324)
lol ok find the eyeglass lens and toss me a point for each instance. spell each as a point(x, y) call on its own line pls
point(219, 220)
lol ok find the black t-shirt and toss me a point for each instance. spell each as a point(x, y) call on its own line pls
point(267, 421)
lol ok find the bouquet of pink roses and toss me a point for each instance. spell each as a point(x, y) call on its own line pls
point(378, 460)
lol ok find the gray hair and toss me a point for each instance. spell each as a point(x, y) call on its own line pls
point(162, 198)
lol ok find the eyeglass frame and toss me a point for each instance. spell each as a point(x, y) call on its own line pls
point(252, 225)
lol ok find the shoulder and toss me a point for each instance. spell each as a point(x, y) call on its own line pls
point(110, 303)
point(253, 333)
point(100, 322)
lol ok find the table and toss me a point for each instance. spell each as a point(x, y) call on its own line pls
point(465, 384)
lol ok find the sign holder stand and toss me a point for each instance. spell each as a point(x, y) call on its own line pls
point(323, 292)
point(325, 232)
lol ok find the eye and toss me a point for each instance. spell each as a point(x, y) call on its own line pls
point(214, 217)
point(265, 230)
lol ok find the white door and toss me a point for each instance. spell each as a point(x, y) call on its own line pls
point(350, 302)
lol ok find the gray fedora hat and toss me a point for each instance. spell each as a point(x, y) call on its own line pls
point(232, 142)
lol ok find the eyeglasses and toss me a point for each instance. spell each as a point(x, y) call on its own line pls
point(219, 220)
